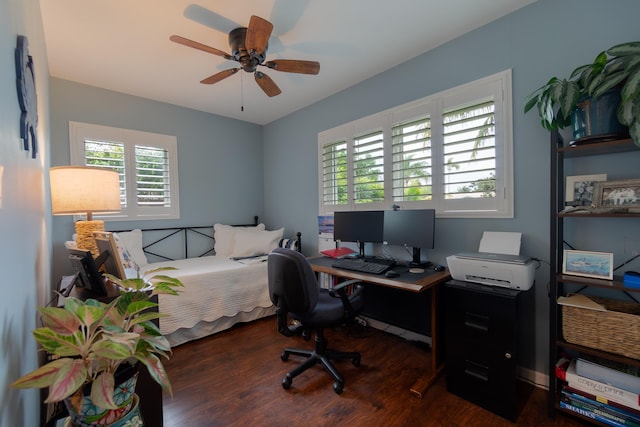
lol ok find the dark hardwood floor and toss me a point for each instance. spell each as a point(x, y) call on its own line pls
point(234, 379)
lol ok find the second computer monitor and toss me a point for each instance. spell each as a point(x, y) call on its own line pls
point(358, 226)
point(413, 228)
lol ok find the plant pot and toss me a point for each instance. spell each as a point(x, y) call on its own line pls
point(84, 413)
point(597, 117)
point(132, 419)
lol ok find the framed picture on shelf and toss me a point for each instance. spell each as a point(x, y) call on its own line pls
point(598, 265)
point(580, 189)
point(618, 194)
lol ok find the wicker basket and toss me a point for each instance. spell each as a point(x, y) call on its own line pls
point(616, 330)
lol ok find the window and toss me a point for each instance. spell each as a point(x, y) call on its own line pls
point(147, 164)
point(451, 152)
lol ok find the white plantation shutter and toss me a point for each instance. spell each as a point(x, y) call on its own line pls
point(411, 160)
point(334, 173)
point(451, 151)
point(108, 155)
point(470, 151)
point(147, 164)
point(368, 168)
point(153, 186)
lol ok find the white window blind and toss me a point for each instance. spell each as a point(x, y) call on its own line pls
point(411, 160)
point(153, 186)
point(470, 151)
point(147, 165)
point(450, 151)
point(368, 168)
point(334, 173)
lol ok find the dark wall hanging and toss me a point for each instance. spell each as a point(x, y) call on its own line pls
point(26, 85)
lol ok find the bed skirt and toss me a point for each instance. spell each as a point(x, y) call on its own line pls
point(203, 329)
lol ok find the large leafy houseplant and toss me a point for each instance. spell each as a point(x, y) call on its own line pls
point(617, 66)
point(91, 340)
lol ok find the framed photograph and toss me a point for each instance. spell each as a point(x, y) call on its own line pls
point(580, 189)
point(617, 194)
point(588, 264)
point(109, 253)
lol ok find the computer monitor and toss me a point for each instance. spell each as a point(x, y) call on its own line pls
point(87, 269)
point(410, 227)
point(359, 227)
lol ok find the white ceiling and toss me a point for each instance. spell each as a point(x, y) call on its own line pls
point(123, 45)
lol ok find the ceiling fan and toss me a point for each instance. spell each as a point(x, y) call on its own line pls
point(249, 48)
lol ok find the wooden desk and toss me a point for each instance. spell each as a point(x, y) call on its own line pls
point(410, 282)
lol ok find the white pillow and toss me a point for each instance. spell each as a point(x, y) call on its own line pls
point(132, 241)
point(254, 243)
point(225, 237)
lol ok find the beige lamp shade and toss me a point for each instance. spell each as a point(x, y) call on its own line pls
point(84, 190)
point(78, 190)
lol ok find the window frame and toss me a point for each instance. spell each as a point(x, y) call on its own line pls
point(498, 86)
point(80, 132)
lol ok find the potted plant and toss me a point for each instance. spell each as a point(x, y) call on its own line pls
point(92, 342)
point(615, 73)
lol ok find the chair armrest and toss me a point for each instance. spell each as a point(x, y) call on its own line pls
point(344, 284)
point(340, 290)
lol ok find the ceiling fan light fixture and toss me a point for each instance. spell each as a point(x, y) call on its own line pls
point(249, 47)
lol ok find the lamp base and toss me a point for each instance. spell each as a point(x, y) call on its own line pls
point(84, 235)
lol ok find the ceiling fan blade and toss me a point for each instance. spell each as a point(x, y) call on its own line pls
point(190, 43)
point(266, 84)
point(294, 66)
point(258, 33)
point(219, 76)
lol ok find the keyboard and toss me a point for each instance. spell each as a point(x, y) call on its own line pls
point(362, 266)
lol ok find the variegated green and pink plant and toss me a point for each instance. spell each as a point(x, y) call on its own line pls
point(89, 340)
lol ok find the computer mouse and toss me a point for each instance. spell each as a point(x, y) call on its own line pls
point(391, 273)
point(438, 267)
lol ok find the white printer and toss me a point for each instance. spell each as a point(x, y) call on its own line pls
point(498, 263)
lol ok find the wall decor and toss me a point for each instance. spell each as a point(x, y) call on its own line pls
point(26, 86)
point(588, 264)
point(580, 189)
point(624, 193)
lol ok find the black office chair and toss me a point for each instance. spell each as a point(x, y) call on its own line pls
point(294, 290)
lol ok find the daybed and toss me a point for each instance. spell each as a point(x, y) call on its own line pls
point(220, 290)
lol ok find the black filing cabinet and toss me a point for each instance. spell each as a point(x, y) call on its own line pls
point(483, 334)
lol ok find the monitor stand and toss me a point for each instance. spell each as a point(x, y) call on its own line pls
point(361, 250)
point(416, 262)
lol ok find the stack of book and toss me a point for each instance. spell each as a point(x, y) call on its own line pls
point(601, 390)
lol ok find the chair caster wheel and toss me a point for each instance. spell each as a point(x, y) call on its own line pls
point(286, 382)
point(284, 356)
point(355, 361)
point(337, 387)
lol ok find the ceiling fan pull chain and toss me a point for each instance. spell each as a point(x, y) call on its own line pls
point(241, 93)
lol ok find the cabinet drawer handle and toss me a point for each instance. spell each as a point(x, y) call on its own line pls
point(477, 371)
point(476, 321)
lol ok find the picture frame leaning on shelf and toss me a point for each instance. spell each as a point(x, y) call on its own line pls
point(598, 265)
point(580, 189)
point(618, 194)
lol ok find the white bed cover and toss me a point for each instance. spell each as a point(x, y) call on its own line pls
point(213, 288)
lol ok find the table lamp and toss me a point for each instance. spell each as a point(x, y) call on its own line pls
point(85, 190)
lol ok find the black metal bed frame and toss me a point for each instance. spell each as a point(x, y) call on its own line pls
point(186, 235)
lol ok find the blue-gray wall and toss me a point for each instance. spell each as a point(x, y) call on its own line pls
point(25, 243)
point(547, 38)
point(274, 168)
point(219, 159)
